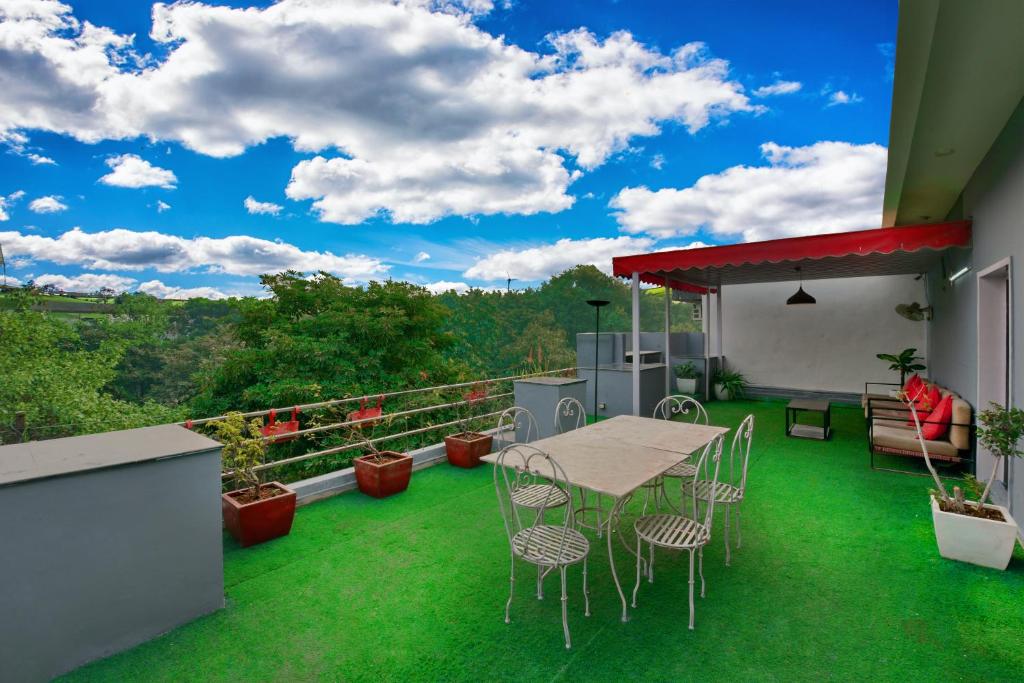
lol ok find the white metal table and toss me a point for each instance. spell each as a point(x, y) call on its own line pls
point(615, 457)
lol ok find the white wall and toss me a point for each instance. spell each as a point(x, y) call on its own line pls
point(828, 346)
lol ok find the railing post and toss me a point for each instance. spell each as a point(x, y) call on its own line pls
point(19, 427)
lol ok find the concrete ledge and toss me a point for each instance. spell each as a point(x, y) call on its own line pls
point(333, 483)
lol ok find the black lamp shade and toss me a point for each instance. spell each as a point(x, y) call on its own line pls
point(801, 297)
point(597, 303)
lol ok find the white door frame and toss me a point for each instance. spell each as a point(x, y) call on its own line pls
point(983, 392)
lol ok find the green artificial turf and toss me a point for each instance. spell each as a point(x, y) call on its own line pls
point(838, 578)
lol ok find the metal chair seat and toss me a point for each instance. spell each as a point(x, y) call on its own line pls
point(535, 496)
point(682, 470)
point(550, 545)
point(672, 531)
point(724, 493)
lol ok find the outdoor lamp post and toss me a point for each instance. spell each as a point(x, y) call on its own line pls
point(597, 304)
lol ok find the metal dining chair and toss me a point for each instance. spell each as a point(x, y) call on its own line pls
point(519, 420)
point(531, 538)
point(570, 415)
point(668, 408)
point(679, 532)
point(731, 490)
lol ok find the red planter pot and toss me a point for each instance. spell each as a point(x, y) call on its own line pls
point(381, 480)
point(466, 449)
point(259, 520)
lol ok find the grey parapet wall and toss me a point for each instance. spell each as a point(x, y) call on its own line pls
point(540, 395)
point(106, 541)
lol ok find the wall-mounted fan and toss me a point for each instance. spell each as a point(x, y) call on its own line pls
point(914, 311)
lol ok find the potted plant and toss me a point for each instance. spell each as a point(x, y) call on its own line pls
point(254, 512)
point(380, 473)
point(466, 447)
point(904, 362)
point(729, 385)
point(686, 378)
point(977, 532)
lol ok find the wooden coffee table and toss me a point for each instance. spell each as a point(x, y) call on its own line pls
point(805, 431)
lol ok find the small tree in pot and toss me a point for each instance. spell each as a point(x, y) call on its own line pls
point(380, 473)
point(254, 512)
point(729, 385)
point(976, 531)
point(686, 378)
point(465, 448)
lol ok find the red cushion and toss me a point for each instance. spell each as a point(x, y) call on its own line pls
point(912, 385)
point(939, 420)
point(929, 399)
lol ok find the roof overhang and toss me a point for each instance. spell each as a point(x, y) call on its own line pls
point(959, 77)
point(883, 251)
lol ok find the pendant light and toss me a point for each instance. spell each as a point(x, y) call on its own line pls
point(801, 297)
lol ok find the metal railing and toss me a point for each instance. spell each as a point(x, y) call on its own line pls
point(489, 401)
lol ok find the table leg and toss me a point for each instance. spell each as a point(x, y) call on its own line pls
point(611, 520)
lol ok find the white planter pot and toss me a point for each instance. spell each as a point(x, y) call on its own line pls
point(976, 540)
point(686, 386)
point(720, 393)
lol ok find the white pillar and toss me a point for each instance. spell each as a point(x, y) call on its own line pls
point(636, 343)
point(718, 323)
point(705, 327)
point(668, 329)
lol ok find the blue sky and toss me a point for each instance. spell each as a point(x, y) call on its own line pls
point(448, 144)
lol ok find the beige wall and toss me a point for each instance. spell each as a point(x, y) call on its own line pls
point(829, 346)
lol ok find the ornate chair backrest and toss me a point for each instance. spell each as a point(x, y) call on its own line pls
point(569, 415)
point(518, 421)
point(739, 454)
point(708, 466)
point(522, 465)
point(680, 404)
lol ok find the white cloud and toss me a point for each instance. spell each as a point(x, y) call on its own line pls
point(824, 187)
point(442, 286)
point(162, 291)
point(413, 114)
point(658, 161)
point(131, 170)
point(40, 160)
point(540, 262)
point(778, 88)
point(162, 206)
point(121, 249)
point(47, 204)
point(421, 257)
point(86, 282)
point(255, 207)
point(842, 97)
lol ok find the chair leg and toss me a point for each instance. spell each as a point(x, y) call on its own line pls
point(647, 497)
point(739, 539)
point(691, 589)
point(565, 612)
point(511, 589)
point(726, 534)
point(600, 526)
point(540, 582)
point(650, 567)
point(586, 591)
point(700, 564)
point(639, 559)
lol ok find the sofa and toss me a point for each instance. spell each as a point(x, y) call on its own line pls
point(891, 429)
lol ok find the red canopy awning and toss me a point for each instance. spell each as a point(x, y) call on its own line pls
point(883, 251)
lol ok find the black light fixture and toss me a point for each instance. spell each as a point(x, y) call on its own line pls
point(801, 297)
point(597, 304)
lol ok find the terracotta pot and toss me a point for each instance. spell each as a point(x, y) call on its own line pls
point(260, 520)
point(466, 449)
point(383, 479)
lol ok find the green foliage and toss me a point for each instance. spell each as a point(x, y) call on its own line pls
point(904, 362)
point(733, 384)
point(244, 449)
point(57, 377)
point(1000, 430)
point(687, 370)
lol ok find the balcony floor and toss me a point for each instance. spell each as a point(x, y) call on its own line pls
point(838, 577)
